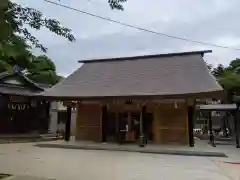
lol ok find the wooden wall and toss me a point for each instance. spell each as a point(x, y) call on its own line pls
point(18, 116)
point(88, 124)
point(170, 124)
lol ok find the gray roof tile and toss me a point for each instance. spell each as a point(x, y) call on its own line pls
point(159, 76)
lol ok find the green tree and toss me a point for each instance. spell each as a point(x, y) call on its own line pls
point(218, 71)
point(5, 29)
point(235, 66)
point(43, 70)
point(229, 77)
point(116, 4)
point(40, 69)
point(14, 22)
point(15, 18)
point(15, 49)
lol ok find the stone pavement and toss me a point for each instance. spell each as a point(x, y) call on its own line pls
point(21, 138)
point(202, 148)
point(26, 160)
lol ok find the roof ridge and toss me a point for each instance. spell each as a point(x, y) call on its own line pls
point(29, 80)
point(146, 56)
point(21, 75)
point(3, 74)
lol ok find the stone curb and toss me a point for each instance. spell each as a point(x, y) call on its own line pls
point(8, 141)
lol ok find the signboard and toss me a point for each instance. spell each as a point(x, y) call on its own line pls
point(214, 113)
point(18, 106)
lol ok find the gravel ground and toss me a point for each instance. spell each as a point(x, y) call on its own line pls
point(24, 159)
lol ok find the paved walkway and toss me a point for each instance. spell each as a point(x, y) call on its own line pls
point(21, 138)
point(23, 160)
point(202, 148)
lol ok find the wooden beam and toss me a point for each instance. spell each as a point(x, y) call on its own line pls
point(69, 103)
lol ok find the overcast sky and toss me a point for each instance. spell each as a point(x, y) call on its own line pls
point(212, 21)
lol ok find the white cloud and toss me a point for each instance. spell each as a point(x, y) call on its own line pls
point(212, 21)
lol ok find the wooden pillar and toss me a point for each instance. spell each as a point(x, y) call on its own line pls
point(129, 120)
point(236, 125)
point(48, 107)
point(117, 122)
point(128, 130)
point(142, 118)
point(190, 126)
point(104, 123)
point(211, 136)
point(68, 124)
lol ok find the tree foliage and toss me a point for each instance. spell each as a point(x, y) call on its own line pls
point(43, 70)
point(116, 4)
point(229, 77)
point(16, 49)
point(16, 41)
point(40, 69)
point(16, 18)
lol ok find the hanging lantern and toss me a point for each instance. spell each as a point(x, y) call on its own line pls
point(175, 105)
point(129, 101)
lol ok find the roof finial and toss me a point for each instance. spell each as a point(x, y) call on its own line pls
point(15, 68)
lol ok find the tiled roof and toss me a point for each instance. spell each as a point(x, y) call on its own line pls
point(153, 75)
point(29, 88)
